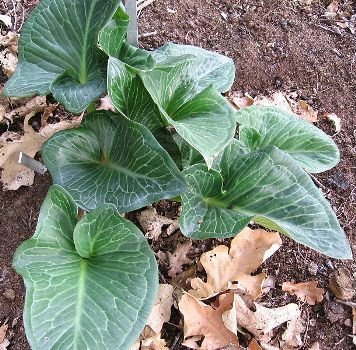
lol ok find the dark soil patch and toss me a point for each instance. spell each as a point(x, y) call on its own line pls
point(276, 45)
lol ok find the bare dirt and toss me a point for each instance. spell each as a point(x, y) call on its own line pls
point(276, 45)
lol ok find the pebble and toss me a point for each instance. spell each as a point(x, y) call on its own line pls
point(9, 294)
point(313, 268)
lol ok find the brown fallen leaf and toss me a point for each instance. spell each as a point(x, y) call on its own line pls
point(263, 320)
point(305, 111)
point(152, 223)
point(161, 311)
point(305, 291)
point(106, 104)
point(241, 100)
point(342, 284)
point(149, 340)
point(4, 342)
point(249, 249)
point(178, 258)
point(203, 320)
point(253, 345)
point(332, 8)
point(291, 338)
point(315, 346)
point(15, 175)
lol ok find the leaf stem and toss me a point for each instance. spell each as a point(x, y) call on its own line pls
point(132, 30)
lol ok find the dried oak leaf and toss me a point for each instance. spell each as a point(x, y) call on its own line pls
point(249, 249)
point(15, 175)
point(161, 311)
point(262, 320)
point(205, 321)
point(342, 284)
point(178, 258)
point(152, 223)
point(291, 338)
point(305, 291)
point(149, 340)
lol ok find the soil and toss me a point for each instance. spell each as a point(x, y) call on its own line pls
point(277, 46)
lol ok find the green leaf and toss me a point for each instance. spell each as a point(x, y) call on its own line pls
point(58, 52)
point(208, 68)
point(186, 88)
point(269, 126)
point(111, 159)
point(112, 36)
point(89, 284)
point(266, 186)
point(129, 96)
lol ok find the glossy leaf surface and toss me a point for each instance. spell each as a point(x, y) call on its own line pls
point(89, 284)
point(266, 186)
point(268, 126)
point(58, 52)
point(111, 159)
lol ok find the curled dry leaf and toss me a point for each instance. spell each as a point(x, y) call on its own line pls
point(277, 99)
point(6, 20)
point(305, 291)
point(249, 249)
point(35, 105)
point(305, 111)
point(15, 175)
point(152, 223)
point(253, 345)
point(4, 342)
point(205, 321)
point(262, 320)
point(161, 311)
point(342, 284)
point(241, 100)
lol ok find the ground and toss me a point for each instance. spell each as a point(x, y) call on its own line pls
point(276, 46)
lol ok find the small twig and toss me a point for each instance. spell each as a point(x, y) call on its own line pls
point(317, 182)
point(146, 35)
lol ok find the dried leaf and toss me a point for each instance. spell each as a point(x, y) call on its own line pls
point(333, 7)
point(342, 284)
point(106, 104)
point(249, 249)
point(35, 105)
point(292, 335)
point(3, 330)
point(8, 62)
point(203, 320)
point(305, 291)
point(315, 346)
point(149, 340)
point(241, 100)
point(152, 223)
point(335, 120)
point(263, 320)
point(253, 345)
point(277, 99)
point(15, 175)
point(6, 20)
point(305, 111)
point(178, 258)
point(161, 311)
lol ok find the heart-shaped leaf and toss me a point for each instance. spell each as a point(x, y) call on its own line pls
point(269, 126)
point(266, 186)
point(58, 52)
point(89, 284)
point(111, 159)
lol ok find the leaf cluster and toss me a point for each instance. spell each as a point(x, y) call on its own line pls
point(91, 281)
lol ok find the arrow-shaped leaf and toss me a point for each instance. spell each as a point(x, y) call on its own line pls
point(89, 284)
point(58, 52)
point(269, 126)
point(111, 159)
point(266, 186)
